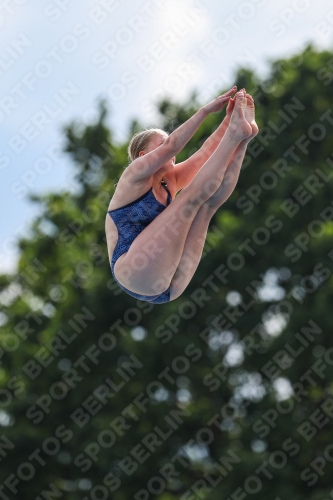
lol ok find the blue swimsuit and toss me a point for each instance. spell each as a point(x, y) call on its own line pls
point(131, 220)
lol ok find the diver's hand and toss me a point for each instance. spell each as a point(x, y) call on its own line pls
point(218, 103)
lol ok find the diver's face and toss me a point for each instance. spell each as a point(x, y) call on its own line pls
point(155, 141)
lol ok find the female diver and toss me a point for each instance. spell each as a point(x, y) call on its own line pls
point(154, 245)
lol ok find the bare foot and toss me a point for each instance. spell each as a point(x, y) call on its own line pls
point(250, 115)
point(239, 125)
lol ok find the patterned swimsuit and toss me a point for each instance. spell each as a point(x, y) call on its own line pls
point(131, 220)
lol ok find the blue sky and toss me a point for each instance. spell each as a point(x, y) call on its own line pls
point(57, 58)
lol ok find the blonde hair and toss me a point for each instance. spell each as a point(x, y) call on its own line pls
point(140, 141)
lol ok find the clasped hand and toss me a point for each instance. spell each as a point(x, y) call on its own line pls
point(218, 103)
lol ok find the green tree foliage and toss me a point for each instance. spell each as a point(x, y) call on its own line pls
point(225, 392)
